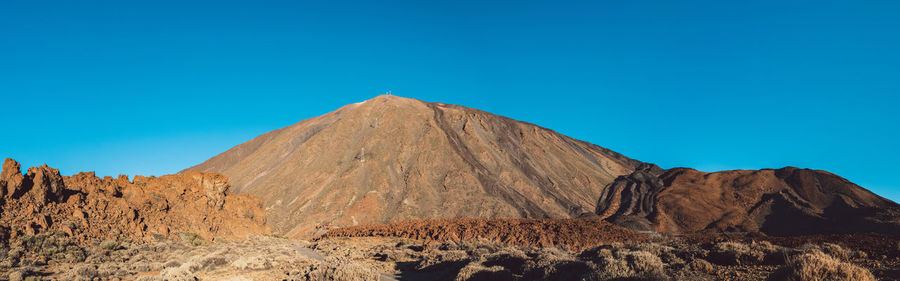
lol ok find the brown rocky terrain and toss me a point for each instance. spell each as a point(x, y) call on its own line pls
point(390, 159)
point(88, 209)
point(782, 202)
point(400, 189)
point(576, 234)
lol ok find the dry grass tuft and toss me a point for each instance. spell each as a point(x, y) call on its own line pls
point(817, 266)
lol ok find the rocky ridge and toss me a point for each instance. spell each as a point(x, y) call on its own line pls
point(87, 209)
point(786, 201)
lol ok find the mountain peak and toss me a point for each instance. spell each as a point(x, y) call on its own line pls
point(392, 158)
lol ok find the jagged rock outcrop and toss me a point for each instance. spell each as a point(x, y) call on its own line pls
point(630, 200)
point(787, 201)
point(11, 178)
point(391, 159)
point(88, 208)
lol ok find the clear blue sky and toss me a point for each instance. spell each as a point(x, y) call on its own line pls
point(151, 87)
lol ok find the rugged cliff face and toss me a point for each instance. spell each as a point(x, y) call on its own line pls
point(90, 209)
point(390, 159)
point(787, 201)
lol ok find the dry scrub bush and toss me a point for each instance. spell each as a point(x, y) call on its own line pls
point(192, 239)
point(541, 262)
point(627, 264)
point(700, 265)
point(737, 253)
point(833, 250)
point(42, 248)
point(476, 272)
point(438, 260)
point(509, 258)
point(666, 253)
point(817, 266)
point(836, 251)
point(729, 253)
point(251, 263)
point(349, 271)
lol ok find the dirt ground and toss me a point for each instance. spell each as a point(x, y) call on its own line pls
point(392, 258)
point(461, 249)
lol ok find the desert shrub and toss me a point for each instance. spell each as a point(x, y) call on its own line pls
point(212, 262)
point(86, 271)
point(700, 265)
point(737, 253)
point(666, 253)
point(836, 251)
point(771, 254)
point(728, 253)
point(645, 264)
point(477, 272)
point(543, 258)
point(833, 250)
point(561, 270)
point(817, 266)
point(192, 239)
point(479, 252)
point(17, 275)
point(109, 245)
point(251, 263)
point(172, 263)
point(14, 256)
point(449, 246)
point(177, 274)
point(349, 271)
point(106, 270)
point(480, 247)
point(510, 258)
point(807, 248)
point(628, 264)
point(437, 260)
point(74, 254)
point(140, 266)
point(539, 264)
point(596, 254)
point(690, 252)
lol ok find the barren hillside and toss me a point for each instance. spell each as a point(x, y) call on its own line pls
point(390, 159)
point(787, 201)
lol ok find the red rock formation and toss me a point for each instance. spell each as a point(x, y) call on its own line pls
point(787, 201)
point(89, 208)
point(575, 234)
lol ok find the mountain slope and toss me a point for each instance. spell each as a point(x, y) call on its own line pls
point(391, 158)
point(787, 201)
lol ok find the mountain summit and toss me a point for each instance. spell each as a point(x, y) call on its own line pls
point(391, 158)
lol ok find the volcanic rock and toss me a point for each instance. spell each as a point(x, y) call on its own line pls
point(390, 159)
point(89, 209)
point(787, 201)
point(11, 178)
point(46, 185)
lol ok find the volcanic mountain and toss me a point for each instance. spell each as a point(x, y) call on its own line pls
point(391, 158)
point(782, 202)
